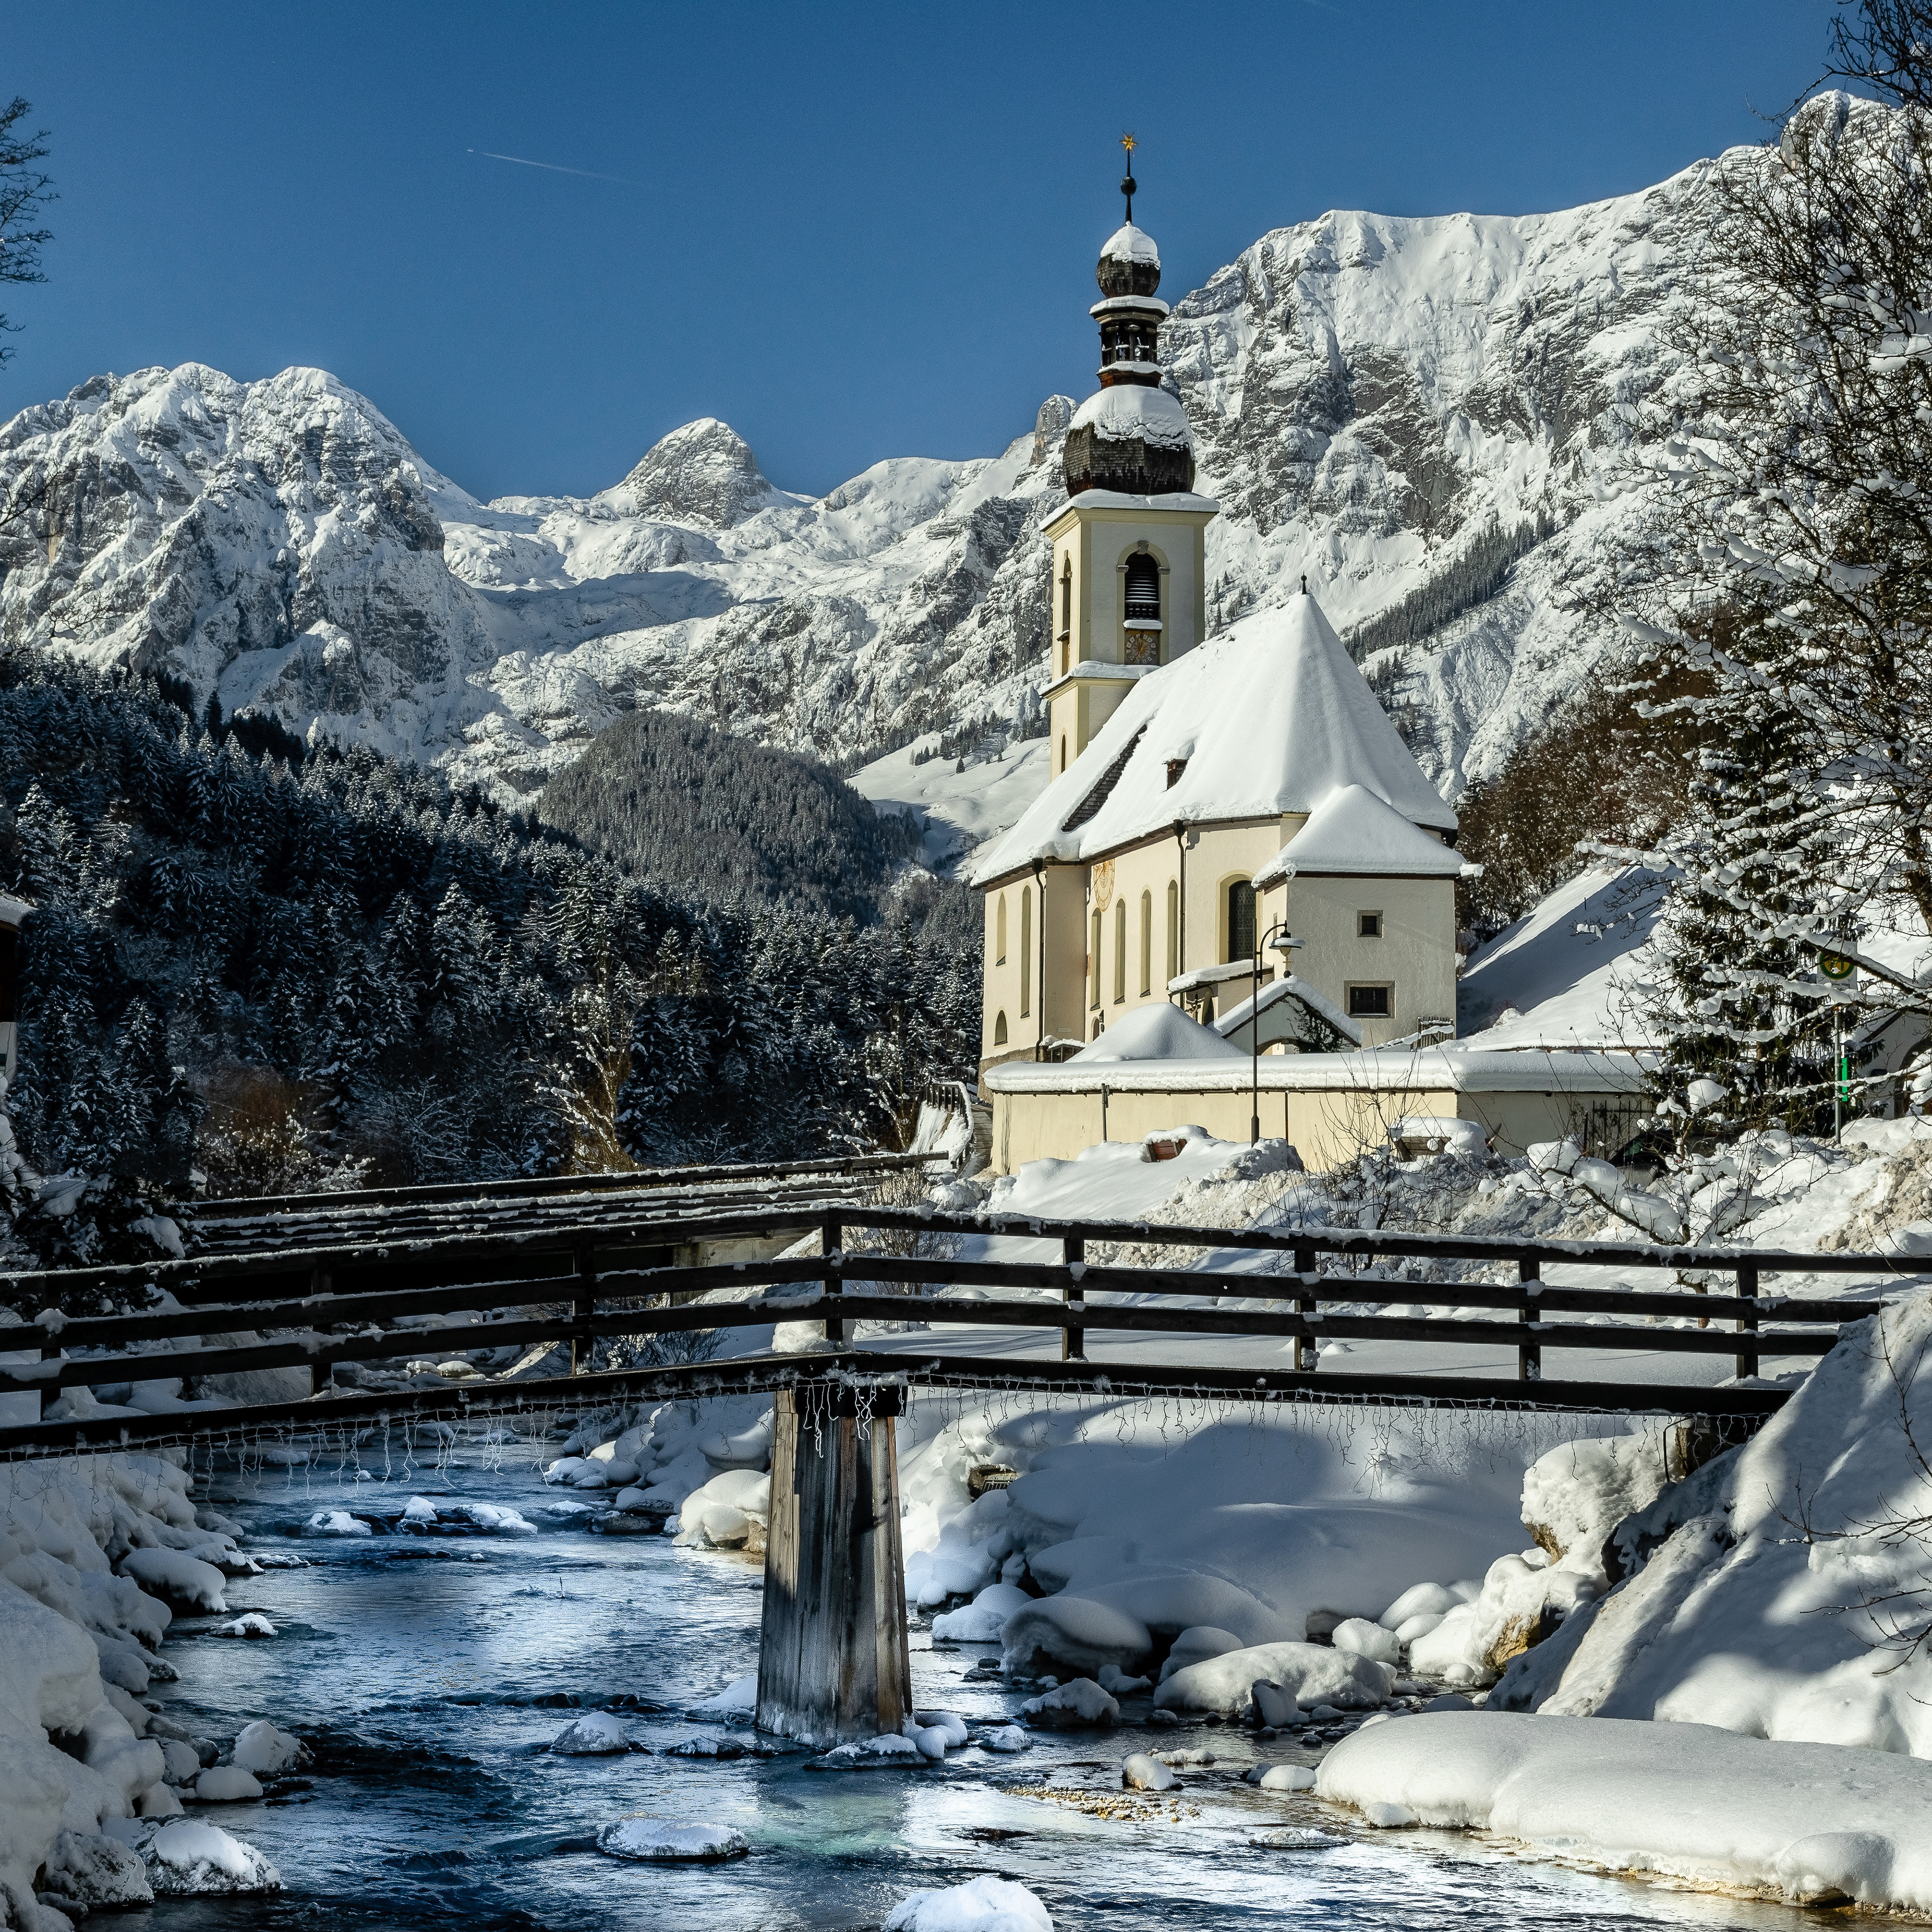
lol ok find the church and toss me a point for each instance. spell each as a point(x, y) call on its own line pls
point(1210, 799)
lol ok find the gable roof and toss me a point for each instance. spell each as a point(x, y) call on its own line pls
point(1271, 716)
point(1354, 834)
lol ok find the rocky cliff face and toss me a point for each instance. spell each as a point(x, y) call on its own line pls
point(1377, 402)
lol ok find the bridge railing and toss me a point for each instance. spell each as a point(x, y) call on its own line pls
point(347, 1302)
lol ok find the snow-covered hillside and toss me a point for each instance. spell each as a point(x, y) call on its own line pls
point(1372, 398)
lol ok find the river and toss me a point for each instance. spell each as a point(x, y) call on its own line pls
point(430, 1677)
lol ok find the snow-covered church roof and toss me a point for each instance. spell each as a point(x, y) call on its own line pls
point(1271, 716)
point(1354, 834)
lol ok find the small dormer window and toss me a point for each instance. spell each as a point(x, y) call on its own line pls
point(1143, 588)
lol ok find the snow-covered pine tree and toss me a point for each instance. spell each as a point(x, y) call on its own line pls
point(1791, 568)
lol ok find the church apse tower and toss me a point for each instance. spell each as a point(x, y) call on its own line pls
point(1129, 588)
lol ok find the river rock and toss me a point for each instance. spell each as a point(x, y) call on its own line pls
point(252, 1625)
point(1004, 1738)
point(655, 1840)
point(1287, 1777)
point(870, 1754)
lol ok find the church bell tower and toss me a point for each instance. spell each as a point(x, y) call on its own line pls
point(1129, 582)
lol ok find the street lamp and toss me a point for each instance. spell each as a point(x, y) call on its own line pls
point(1284, 943)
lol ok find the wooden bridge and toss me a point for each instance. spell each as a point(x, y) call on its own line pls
point(324, 1281)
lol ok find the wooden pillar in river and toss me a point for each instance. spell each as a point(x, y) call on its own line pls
point(833, 1663)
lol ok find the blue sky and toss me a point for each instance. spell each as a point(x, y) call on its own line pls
point(851, 232)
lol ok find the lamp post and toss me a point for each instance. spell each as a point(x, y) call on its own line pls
point(1284, 942)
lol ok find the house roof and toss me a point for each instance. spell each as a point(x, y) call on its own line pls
point(1271, 716)
point(1354, 834)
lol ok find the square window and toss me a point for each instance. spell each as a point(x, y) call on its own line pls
point(1370, 1003)
point(1368, 925)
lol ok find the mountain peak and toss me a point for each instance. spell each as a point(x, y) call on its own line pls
point(704, 473)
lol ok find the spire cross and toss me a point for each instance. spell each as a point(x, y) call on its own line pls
point(1127, 184)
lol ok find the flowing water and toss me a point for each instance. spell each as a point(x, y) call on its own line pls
point(429, 1676)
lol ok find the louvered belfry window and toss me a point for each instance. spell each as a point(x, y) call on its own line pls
point(1143, 588)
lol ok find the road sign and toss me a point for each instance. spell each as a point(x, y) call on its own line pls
point(1834, 966)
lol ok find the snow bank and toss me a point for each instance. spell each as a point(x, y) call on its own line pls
point(1815, 1824)
point(1080, 1705)
point(981, 1621)
point(1775, 1592)
point(739, 1697)
point(78, 1649)
point(980, 1905)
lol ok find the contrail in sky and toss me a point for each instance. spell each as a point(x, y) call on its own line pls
point(553, 168)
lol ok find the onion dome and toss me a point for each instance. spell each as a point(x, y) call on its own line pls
point(1132, 437)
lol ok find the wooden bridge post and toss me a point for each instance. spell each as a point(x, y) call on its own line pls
point(1528, 1351)
point(1073, 1341)
point(321, 1281)
point(583, 1305)
point(1747, 1361)
point(1307, 1357)
point(832, 1235)
point(833, 1662)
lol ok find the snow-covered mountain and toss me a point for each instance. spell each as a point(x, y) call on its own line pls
point(1373, 400)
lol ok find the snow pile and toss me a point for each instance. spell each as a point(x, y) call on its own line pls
point(729, 1512)
point(981, 1620)
point(266, 1750)
point(1140, 1772)
point(655, 1839)
point(227, 1784)
point(980, 1905)
point(1814, 1823)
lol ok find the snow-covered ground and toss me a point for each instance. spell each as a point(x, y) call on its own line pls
point(961, 808)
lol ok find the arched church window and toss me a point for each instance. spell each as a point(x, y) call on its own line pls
point(1000, 1030)
point(1026, 951)
point(1173, 928)
point(1240, 920)
point(1119, 952)
point(1143, 587)
point(1146, 944)
point(1000, 931)
point(1066, 600)
point(1093, 965)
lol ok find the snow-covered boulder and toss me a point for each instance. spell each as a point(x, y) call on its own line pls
point(266, 1751)
point(1140, 1772)
point(1312, 1673)
point(337, 1523)
point(869, 1753)
point(983, 1904)
point(1524, 1599)
point(187, 1858)
point(1361, 1638)
point(596, 1734)
point(1004, 1738)
point(1196, 1645)
point(177, 1578)
point(1080, 1705)
point(982, 1620)
point(252, 1625)
point(725, 1512)
point(658, 1841)
point(227, 1784)
point(1074, 1633)
point(96, 1870)
point(739, 1698)
point(1286, 1777)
